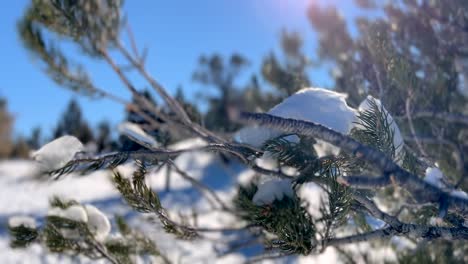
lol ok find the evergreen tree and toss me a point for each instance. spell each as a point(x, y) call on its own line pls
point(72, 123)
point(190, 108)
point(104, 140)
point(409, 58)
point(373, 176)
point(214, 71)
point(35, 140)
point(288, 75)
point(6, 127)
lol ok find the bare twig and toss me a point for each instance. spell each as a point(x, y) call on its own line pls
point(411, 125)
point(447, 117)
point(171, 102)
point(457, 153)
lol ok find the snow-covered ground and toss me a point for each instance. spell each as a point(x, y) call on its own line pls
point(23, 195)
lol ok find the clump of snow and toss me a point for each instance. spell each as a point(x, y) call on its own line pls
point(273, 189)
point(397, 138)
point(317, 105)
point(459, 194)
point(323, 148)
point(57, 153)
point(25, 221)
point(75, 212)
point(435, 177)
point(98, 223)
point(135, 133)
point(314, 195)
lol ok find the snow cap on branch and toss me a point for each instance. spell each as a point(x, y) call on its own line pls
point(75, 212)
point(135, 133)
point(273, 189)
point(435, 177)
point(317, 105)
point(57, 153)
point(26, 221)
point(96, 221)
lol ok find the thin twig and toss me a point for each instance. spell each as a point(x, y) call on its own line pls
point(411, 126)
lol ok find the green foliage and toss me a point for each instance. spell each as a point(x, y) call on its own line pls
point(92, 25)
point(277, 218)
point(137, 194)
point(287, 219)
point(67, 236)
point(22, 236)
point(375, 129)
point(87, 165)
point(335, 213)
point(131, 241)
point(289, 153)
point(141, 198)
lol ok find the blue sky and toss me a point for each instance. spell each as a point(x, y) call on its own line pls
point(176, 33)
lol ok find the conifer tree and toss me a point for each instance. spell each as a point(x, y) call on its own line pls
point(6, 127)
point(72, 123)
point(216, 72)
point(372, 175)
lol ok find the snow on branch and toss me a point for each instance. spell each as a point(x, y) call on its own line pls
point(422, 191)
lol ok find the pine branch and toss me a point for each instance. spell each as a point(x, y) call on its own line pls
point(423, 191)
point(153, 156)
point(140, 197)
point(61, 234)
point(287, 219)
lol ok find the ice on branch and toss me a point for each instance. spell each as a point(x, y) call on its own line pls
point(397, 138)
point(135, 133)
point(98, 223)
point(57, 153)
point(273, 189)
point(317, 105)
point(26, 221)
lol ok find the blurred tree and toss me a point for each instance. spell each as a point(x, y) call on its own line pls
point(104, 141)
point(6, 127)
point(72, 123)
point(256, 98)
point(412, 58)
point(190, 108)
point(214, 71)
point(411, 55)
point(35, 140)
point(287, 75)
point(21, 149)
